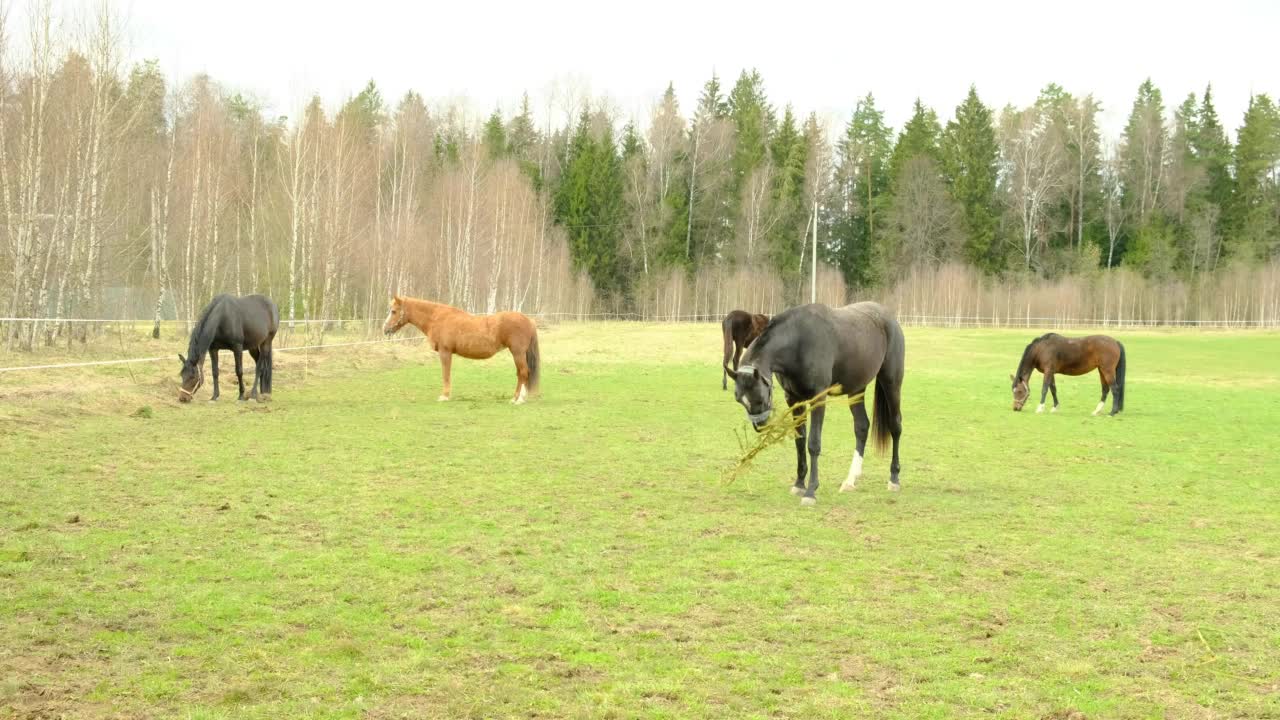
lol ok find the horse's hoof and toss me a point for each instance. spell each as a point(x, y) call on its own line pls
point(808, 501)
point(894, 487)
point(848, 485)
point(797, 490)
point(518, 401)
point(443, 398)
point(265, 397)
point(1039, 409)
point(1053, 409)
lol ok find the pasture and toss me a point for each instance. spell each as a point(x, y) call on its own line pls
point(355, 549)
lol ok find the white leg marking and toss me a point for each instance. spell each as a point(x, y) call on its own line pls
point(808, 501)
point(894, 488)
point(443, 398)
point(1040, 409)
point(1099, 408)
point(520, 396)
point(796, 490)
point(855, 472)
point(1053, 409)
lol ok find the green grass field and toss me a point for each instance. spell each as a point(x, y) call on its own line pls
point(356, 550)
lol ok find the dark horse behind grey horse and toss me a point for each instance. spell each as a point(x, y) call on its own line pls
point(235, 324)
point(740, 329)
point(812, 347)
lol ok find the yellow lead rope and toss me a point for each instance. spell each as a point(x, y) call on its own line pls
point(783, 426)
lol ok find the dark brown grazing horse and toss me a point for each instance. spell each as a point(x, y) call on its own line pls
point(1053, 354)
point(236, 324)
point(740, 329)
point(452, 331)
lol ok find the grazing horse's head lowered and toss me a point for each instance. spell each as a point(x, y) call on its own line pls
point(396, 318)
point(192, 378)
point(1021, 391)
point(755, 391)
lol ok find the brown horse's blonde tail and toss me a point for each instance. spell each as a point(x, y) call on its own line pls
point(534, 361)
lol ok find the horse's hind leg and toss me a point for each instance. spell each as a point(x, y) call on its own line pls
point(1106, 388)
point(257, 372)
point(895, 431)
point(1053, 388)
point(522, 377)
point(213, 365)
point(239, 356)
point(861, 425)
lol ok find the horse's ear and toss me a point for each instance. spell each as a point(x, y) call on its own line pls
point(755, 373)
point(1013, 379)
point(184, 360)
point(732, 373)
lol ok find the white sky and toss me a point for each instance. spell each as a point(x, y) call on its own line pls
point(820, 57)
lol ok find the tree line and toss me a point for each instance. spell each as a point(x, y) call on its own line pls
point(119, 188)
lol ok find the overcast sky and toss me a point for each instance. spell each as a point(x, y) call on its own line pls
point(819, 57)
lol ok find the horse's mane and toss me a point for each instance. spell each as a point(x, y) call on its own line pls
point(202, 333)
point(763, 338)
point(431, 305)
point(1026, 354)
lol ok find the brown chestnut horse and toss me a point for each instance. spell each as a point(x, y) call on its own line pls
point(1053, 354)
point(740, 329)
point(452, 331)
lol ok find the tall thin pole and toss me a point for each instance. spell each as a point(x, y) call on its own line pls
point(813, 283)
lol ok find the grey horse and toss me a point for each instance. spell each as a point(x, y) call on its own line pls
point(811, 347)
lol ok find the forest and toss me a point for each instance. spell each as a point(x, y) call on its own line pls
point(125, 195)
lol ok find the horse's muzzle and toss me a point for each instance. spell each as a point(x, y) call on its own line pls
point(759, 420)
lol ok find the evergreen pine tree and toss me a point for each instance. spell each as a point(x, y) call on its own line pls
point(969, 163)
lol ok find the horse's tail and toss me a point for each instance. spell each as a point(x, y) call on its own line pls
point(883, 418)
point(889, 388)
point(534, 361)
point(728, 353)
point(1117, 387)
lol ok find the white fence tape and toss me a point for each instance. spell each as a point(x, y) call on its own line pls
point(93, 363)
point(910, 319)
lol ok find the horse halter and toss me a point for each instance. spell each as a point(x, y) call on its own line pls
point(398, 316)
point(199, 381)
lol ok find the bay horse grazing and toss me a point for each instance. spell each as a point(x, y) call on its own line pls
point(810, 348)
point(1053, 354)
point(453, 331)
point(740, 329)
point(236, 324)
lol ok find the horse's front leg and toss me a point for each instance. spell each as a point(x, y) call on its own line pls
point(446, 363)
point(238, 354)
point(815, 449)
point(213, 365)
point(861, 426)
point(1044, 389)
point(802, 467)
